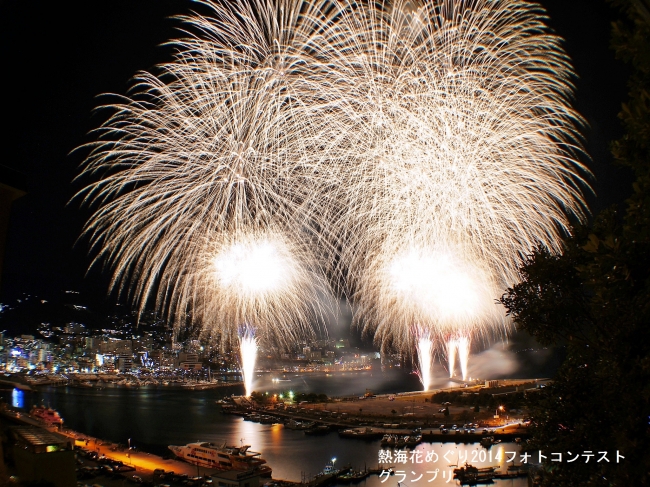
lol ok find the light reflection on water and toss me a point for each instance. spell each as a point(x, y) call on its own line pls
point(157, 417)
point(17, 398)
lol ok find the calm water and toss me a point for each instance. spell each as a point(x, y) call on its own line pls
point(156, 417)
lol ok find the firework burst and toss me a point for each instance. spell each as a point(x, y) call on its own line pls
point(204, 177)
point(409, 284)
point(429, 144)
point(457, 150)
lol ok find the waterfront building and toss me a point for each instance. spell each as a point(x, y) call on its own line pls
point(43, 457)
point(92, 344)
point(313, 355)
point(236, 478)
point(189, 361)
point(125, 362)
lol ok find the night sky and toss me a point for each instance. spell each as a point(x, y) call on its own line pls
point(59, 56)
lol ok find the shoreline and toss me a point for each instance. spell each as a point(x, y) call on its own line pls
point(371, 418)
point(145, 463)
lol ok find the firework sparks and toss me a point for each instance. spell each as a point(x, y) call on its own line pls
point(432, 287)
point(262, 279)
point(248, 353)
point(201, 208)
point(463, 354)
point(458, 345)
point(425, 356)
point(457, 150)
point(452, 346)
point(430, 143)
point(435, 283)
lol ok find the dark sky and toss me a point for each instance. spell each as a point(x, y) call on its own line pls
point(58, 56)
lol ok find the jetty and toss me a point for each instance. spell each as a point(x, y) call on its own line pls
point(321, 421)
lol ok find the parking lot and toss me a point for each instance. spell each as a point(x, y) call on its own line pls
point(103, 464)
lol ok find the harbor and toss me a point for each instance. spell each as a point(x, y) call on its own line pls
point(378, 422)
point(149, 419)
point(107, 462)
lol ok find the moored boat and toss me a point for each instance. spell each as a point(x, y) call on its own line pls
point(365, 433)
point(352, 477)
point(472, 475)
point(487, 441)
point(321, 429)
point(413, 440)
point(222, 457)
point(299, 425)
point(46, 415)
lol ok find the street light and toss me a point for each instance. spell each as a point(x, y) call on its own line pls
point(496, 414)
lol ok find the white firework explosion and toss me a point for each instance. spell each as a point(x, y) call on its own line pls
point(209, 156)
point(455, 143)
point(430, 143)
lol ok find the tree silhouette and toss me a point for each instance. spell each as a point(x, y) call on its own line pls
point(595, 300)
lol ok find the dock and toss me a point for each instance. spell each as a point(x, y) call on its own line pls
point(246, 408)
point(141, 462)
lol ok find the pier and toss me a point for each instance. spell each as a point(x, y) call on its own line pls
point(373, 427)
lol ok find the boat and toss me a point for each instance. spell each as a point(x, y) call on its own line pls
point(46, 415)
point(232, 409)
point(413, 440)
point(352, 477)
point(472, 475)
point(487, 441)
point(321, 429)
point(365, 433)
point(222, 457)
point(298, 425)
point(389, 441)
point(268, 419)
point(329, 471)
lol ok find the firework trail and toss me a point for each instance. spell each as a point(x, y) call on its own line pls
point(248, 352)
point(461, 346)
point(425, 350)
point(463, 354)
point(456, 150)
point(201, 178)
point(452, 347)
